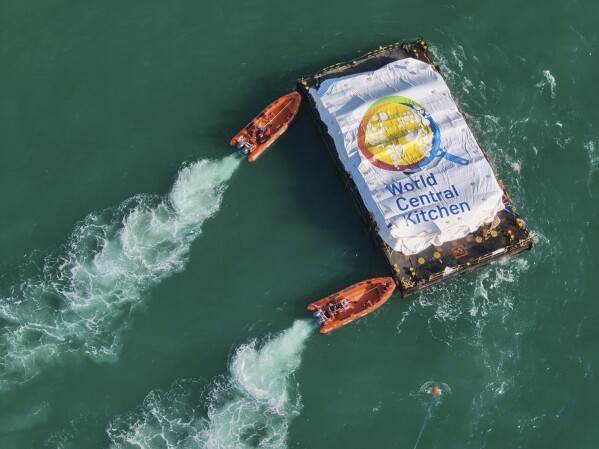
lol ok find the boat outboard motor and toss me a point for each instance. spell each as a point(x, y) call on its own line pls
point(318, 316)
point(243, 147)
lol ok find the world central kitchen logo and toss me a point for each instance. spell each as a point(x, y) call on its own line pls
point(398, 134)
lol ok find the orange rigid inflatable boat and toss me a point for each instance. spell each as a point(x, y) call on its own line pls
point(268, 126)
point(352, 302)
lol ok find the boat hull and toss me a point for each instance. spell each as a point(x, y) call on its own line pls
point(263, 131)
point(360, 299)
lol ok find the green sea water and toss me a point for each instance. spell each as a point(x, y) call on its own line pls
point(153, 286)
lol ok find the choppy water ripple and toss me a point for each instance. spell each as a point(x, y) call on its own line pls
point(78, 299)
point(250, 407)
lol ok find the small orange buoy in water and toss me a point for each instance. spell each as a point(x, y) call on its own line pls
point(435, 390)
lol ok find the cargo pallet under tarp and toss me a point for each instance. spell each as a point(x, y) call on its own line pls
point(504, 236)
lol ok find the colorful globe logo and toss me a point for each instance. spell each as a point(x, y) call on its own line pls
point(396, 133)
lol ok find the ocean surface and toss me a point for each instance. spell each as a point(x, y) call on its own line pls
point(153, 285)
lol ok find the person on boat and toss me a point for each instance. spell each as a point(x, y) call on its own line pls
point(344, 303)
point(263, 134)
point(333, 308)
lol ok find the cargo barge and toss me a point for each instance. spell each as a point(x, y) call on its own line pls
point(423, 186)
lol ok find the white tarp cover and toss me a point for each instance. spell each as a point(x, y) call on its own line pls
point(406, 145)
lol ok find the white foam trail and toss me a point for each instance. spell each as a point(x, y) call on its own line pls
point(251, 407)
point(591, 147)
point(79, 299)
point(548, 80)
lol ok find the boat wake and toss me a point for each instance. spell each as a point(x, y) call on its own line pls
point(591, 148)
point(77, 300)
point(250, 407)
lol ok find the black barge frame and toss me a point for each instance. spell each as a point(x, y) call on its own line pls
point(505, 236)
